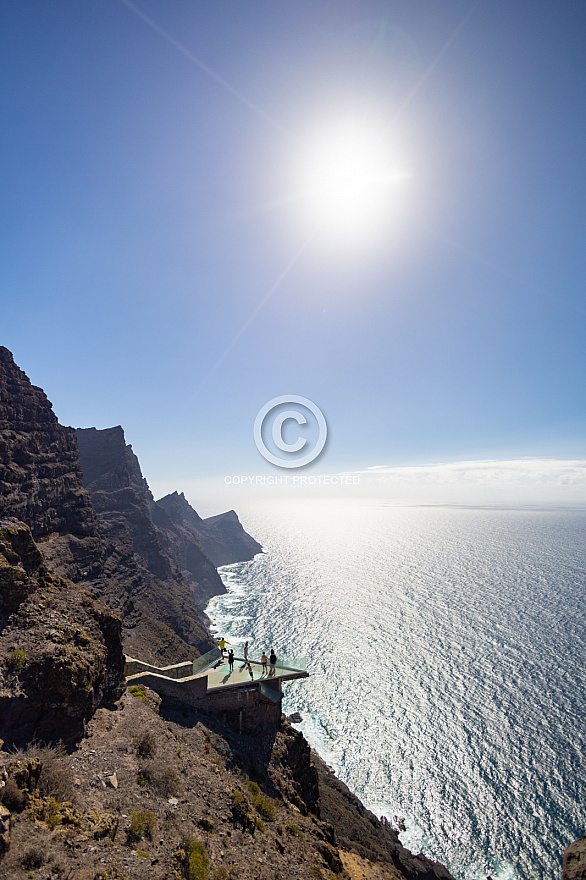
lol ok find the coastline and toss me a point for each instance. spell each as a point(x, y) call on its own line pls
point(493, 682)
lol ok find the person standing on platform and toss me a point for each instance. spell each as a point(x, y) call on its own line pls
point(273, 662)
point(245, 652)
point(231, 659)
point(264, 661)
point(222, 645)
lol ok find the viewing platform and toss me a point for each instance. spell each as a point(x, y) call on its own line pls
point(207, 684)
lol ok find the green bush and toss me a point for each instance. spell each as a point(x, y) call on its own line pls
point(253, 788)
point(292, 829)
point(16, 660)
point(142, 824)
point(138, 691)
point(264, 806)
point(197, 861)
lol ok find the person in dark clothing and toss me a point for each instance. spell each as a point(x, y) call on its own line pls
point(273, 662)
point(231, 659)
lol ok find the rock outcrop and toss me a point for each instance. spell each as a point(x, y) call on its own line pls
point(121, 496)
point(220, 537)
point(574, 863)
point(60, 648)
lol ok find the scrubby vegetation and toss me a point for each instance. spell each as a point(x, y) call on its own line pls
point(263, 804)
point(198, 863)
point(146, 745)
point(160, 779)
point(16, 660)
point(144, 797)
point(142, 824)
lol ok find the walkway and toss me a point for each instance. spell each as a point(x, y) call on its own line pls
point(221, 677)
point(210, 674)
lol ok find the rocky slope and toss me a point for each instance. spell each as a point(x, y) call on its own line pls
point(574, 863)
point(145, 791)
point(60, 649)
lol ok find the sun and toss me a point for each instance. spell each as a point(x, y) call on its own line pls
point(348, 180)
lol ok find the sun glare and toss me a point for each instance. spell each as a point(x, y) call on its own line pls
point(348, 183)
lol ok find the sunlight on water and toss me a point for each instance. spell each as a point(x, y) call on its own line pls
point(447, 659)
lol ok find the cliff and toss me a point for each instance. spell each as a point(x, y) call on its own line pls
point(41, 484)
point(125, 505)
point(221, 538)
point(40, 474)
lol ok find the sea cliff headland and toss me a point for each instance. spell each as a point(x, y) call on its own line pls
point(101, 780)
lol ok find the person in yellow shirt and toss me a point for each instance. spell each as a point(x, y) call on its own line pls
point(222, 645)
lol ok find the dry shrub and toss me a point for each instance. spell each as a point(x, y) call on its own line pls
point(162, 780)
point(35, 854)
point(12, 797)
point(146, 744)
point(56, 777)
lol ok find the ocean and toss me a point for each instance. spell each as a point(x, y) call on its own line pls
point(447, 657)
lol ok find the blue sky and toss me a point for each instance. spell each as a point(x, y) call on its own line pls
point(165, 265)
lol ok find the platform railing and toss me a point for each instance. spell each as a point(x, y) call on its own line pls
point(206, 660)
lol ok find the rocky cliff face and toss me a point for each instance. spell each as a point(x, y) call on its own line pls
point(41, 484)
point(120, 494)
point(221, 537)
point(60, 649)
point(124, 503)
point(40, 475)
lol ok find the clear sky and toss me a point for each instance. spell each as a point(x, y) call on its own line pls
point(378, 205)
